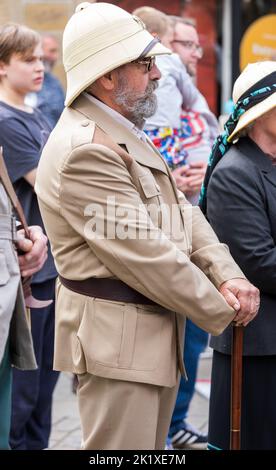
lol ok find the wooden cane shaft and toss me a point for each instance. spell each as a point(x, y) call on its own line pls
point(236, 387)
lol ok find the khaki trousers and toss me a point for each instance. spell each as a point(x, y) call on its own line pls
point(121, 415)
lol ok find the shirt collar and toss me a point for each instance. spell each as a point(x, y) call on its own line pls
point(118, 117)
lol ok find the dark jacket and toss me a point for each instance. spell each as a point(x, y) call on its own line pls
point(241, 207)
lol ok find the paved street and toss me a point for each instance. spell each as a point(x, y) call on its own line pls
point(66, 432)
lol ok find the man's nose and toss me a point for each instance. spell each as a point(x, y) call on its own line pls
point(155, 73)
point(196, 52)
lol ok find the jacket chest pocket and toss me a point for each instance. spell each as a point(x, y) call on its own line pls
point(151, 196)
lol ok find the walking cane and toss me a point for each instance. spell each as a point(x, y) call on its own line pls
point(236, 386)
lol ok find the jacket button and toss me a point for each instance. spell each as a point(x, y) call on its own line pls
point(85, 123)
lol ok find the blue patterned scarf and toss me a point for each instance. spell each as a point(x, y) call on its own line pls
point(254, 95)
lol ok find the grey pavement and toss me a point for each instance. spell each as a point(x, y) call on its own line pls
point(66, 430)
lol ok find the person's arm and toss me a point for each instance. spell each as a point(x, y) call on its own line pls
point(146, 260)
point(35, 249)
point(30, 177)
point(214, 259)
point(20, 151)
point(184, 82)
point(193, 100)
point(237, 212)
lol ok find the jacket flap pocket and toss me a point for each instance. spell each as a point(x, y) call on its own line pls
point(149, 185)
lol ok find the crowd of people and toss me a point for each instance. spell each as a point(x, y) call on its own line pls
point(161, 232)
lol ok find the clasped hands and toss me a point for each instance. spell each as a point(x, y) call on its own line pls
point(243, 297)
point(189, 178)
point(36, 251)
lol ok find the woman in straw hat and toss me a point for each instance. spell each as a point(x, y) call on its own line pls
point(239, 198)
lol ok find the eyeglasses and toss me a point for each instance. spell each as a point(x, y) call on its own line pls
point(147, 61)
point(192, 46)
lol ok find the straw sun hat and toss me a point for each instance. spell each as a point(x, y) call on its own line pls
point(250, 76)
point(98, 38)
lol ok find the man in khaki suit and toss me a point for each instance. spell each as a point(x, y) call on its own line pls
point(133, 257)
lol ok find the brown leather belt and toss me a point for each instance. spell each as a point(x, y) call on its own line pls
point(108, 289)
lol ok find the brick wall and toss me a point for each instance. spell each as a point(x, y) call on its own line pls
point(44, 16)
point(204, 13)
point(52, 15)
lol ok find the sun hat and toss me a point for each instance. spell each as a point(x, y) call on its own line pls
point(100, 37)
point(254, 94)
point(255, 77)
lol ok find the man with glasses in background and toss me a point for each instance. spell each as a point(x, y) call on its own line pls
point(199, 130)
point(186, 43)
point(123, 271)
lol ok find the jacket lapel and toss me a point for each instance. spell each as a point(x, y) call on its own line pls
point(270, 175)
point(143, 153)
point(251, 151)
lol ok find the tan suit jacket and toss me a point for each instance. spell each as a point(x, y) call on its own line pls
point(80, 167)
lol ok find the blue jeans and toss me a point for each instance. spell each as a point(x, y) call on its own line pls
point(195, 342)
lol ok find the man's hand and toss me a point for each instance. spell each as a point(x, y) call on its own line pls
point(196, 174)
point(35, 248)
point(189, 178)
point(243, 297)
point(180, 176)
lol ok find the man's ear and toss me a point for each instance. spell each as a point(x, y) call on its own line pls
point(2, 69)
point(108, 81)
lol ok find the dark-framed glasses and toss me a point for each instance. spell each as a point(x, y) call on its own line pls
point(191, 45)
point(147, 61)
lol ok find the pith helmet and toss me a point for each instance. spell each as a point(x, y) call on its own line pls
point(98, 38)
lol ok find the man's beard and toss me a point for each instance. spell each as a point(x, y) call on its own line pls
point(136, 107)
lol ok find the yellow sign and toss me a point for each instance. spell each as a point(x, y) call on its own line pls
point(259, 41)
